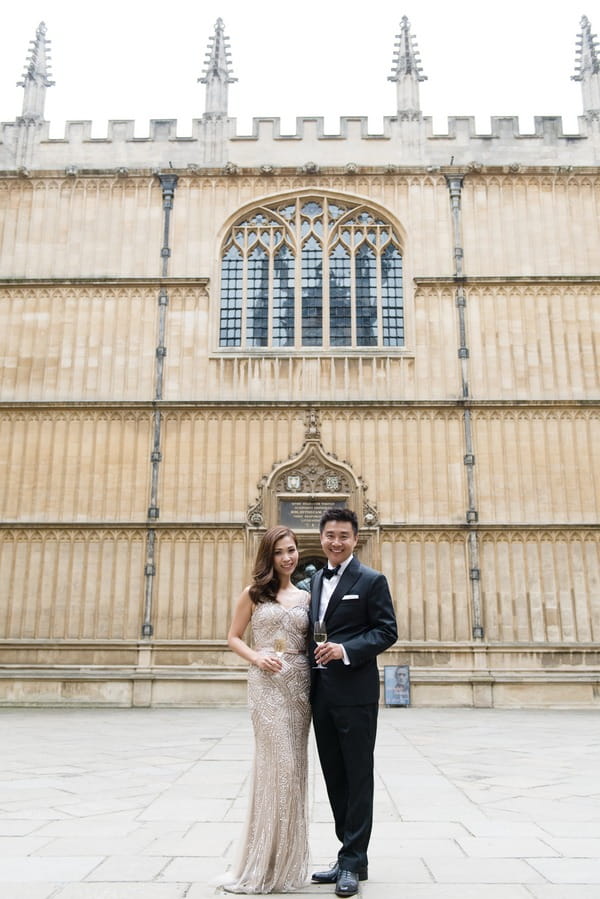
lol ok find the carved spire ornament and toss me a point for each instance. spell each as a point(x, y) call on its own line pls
point(36, 77)
point(217, 75)
point(587, 68)
point(407, 73)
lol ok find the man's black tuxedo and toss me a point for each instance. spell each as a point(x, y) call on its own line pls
point(360, 615)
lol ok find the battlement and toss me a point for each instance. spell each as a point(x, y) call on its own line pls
point(214, 141)
point(407, 137)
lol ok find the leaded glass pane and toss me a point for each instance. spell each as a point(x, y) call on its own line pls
point(231, 298)
point(288, 212)
point(366, 297)
point(335, 212)
point(257, 316)
point(312, 293)
point(311, 209)
point(392, 305)
point(283, 298)
point(340, 314)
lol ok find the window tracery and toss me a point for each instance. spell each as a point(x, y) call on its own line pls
point(311, 272)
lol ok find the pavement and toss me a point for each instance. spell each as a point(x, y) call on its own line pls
point(148, 803)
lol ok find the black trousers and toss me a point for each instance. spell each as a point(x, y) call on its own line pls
point(345, 738)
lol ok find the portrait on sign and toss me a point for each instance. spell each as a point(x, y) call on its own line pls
point(396, 681)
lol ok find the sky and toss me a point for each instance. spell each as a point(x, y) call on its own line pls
point(128, 59)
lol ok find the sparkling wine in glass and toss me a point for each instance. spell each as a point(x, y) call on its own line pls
point(320, 635)
point(279, 645)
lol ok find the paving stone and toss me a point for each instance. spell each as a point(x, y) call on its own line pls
point(28, 890)
point(24, 845)
point(441, 891)
point(148, 804)
point(505, 847)
point(123, 890)
point(483, 871)
point(563, 891)
point(569, 870)
point(33, 868)
point(128, 868)
point(571, 848)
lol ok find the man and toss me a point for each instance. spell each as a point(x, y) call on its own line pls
point(356, 604)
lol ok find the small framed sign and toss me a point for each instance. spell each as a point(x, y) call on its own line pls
point(396, 683)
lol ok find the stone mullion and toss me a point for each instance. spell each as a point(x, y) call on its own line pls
point(168, 184)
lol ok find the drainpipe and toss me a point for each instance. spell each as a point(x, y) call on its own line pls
point(455, 183)
point(168, 184)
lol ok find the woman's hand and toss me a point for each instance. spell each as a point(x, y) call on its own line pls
point(268, 663)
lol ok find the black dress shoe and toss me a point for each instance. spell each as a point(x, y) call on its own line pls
point(347, 883)
point(332, 874)
point(329, 876)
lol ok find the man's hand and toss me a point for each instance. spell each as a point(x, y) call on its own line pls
point(327, 652)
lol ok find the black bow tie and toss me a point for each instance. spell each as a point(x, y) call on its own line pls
point(331, 572)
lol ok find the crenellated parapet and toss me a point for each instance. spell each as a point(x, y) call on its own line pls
point(405, 139)
point(214, 142)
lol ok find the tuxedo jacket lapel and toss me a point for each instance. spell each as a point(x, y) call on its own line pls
point(315, 597)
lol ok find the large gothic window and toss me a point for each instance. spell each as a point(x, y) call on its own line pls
point(311, 272)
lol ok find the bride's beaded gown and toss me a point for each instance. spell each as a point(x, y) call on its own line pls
point(273, 855)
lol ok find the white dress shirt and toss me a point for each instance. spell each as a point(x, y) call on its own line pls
point(328, 586)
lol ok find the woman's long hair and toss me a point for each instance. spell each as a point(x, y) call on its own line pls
point(265, 581)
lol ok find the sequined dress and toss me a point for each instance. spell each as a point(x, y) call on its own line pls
point(273, 854)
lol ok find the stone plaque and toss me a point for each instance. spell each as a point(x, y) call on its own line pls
point(305, 514)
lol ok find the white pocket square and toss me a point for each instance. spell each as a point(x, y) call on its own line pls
point(350, 596)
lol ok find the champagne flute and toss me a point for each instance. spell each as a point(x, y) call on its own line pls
point(320, 635)
point(279, 644)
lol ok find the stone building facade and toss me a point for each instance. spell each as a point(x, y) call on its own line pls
point(204, 335)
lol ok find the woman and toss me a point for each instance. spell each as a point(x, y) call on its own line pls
point(273, 854)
